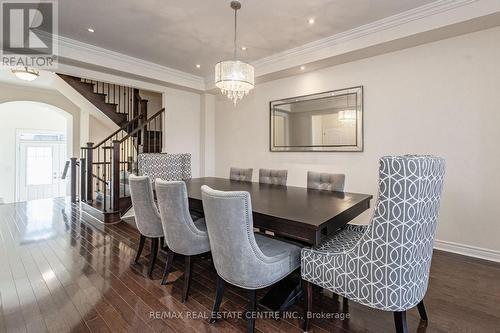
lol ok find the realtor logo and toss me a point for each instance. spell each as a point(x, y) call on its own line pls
point(28, 34)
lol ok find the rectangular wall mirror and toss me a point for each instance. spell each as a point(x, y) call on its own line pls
point(329, 121)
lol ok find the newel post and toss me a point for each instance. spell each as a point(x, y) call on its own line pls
point(115, 176)
point(72, 165)
point(89, 171)
point(83, 181)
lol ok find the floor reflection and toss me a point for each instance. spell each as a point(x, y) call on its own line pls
point(40, 224)
point(74, 274)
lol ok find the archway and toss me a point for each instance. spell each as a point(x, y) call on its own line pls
point(36, 139)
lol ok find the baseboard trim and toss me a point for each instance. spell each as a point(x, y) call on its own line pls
point(467, 250)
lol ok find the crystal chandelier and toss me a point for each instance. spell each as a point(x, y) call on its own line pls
point(234, 78)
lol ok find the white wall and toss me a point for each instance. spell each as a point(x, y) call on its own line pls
point(155, 101)
point(12, 92)
point(207, 152)
point(182, 132)
point(99, 130)
point(29, 116)
point(440, 98)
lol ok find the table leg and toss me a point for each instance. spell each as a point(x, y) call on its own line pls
point(283, 294)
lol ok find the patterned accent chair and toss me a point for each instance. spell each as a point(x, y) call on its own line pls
point(147, 217)
point(183, 235)
point(271, 176)
point(325, 181)
point(386, 264)
point(240, 174)
point(241, 257)
point(165, 166)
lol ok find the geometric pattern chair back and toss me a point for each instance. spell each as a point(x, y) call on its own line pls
point(165, 166)
point(388, 268)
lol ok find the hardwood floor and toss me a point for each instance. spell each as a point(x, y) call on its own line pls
point(62, 271)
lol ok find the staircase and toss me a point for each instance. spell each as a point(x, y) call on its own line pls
point(105, 166)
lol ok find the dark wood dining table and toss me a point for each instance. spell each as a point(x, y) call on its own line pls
point(304, 215)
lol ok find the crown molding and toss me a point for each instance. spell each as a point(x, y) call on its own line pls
point(94, 55)
point(399, 19)
point(426, 18)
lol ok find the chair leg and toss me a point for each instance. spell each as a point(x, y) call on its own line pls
point(154, 253)
point(168, 266)
point(421, 310)
point(252, 297)
point(400, 322)
point(218, 299)
point(308, 297)
point(142, 240)
point(187, 278)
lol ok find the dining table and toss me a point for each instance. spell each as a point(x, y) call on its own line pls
point(307, 216)
point(302, 215)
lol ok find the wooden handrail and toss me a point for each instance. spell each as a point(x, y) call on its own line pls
point(118, 130)
point(141, 126)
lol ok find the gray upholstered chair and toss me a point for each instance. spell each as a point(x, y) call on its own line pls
point(271, 176)
point(386, 264)
point(242, 258)
point(166, 166)
point(241, 174)
point(325, 181)
point(183, 236)
point(147, 217)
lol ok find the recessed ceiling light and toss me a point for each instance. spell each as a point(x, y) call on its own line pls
point(243, 48)
point(90, 30)
point(302, 68)
point(311, 20)
point(198, 65)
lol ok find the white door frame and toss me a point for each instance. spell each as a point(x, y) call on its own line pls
point(19, 131)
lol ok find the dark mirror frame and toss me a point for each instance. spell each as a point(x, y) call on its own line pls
point(358, 90)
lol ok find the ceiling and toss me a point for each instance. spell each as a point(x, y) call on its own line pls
point(181, 34)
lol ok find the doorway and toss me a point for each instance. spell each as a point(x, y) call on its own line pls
point(26, 124)
point(40, 164)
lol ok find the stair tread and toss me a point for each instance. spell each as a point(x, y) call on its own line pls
point(98, 99)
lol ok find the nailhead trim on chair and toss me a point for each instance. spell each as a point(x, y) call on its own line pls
point(258, 253)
